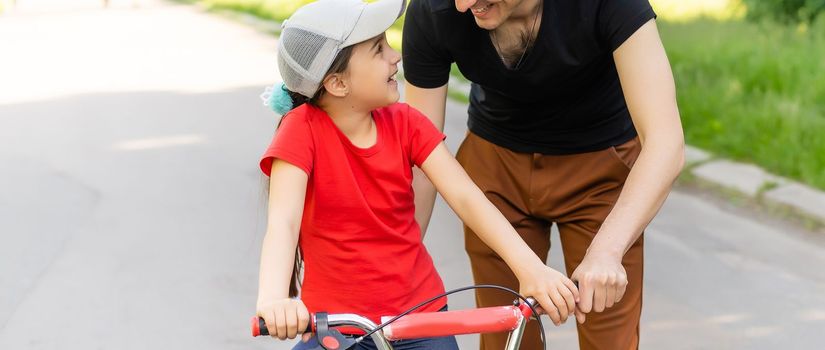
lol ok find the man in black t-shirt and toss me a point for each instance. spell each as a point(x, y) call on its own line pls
point(573, 121)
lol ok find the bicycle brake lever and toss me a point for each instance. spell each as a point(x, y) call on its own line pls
point(330, 339)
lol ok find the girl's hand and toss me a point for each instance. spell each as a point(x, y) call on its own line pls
point(285, 318)
point(556, 294)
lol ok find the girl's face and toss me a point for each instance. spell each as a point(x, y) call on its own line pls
point(371, 73)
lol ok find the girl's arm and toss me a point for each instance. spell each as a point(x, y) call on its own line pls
point(553, 290)
point(287, 189)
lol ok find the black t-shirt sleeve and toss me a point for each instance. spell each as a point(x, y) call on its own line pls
point(426, 61)
point(619, 19)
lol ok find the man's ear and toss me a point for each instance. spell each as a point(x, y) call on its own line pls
point(336, 85)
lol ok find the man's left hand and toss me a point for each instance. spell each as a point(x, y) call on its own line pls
point(602, 282)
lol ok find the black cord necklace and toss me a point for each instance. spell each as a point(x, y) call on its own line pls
point(530, 39)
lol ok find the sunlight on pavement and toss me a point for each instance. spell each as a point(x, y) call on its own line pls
point(813, 315)
point(668, 325)
point(159, 142)
point(729, 318)
point(91, 50)
point(760, 332)
point(45, 6)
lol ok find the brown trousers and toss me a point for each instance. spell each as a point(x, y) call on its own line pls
point(576, 192)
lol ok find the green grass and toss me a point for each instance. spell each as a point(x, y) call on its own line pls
point(458, 96)
point(455, 73)
point(753, 92)
point(688, 10)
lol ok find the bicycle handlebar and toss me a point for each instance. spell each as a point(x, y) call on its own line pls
point(430, 324)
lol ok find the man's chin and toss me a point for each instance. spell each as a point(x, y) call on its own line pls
point(488, 23)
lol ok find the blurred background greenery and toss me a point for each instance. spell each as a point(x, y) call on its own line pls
point(750, 75)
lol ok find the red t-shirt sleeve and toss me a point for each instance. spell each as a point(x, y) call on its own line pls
point(292, 143)
point(424, 136)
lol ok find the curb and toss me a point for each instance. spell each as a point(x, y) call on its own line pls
point(761, 187)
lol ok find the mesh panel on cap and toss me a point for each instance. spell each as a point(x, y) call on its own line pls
point(304, 58)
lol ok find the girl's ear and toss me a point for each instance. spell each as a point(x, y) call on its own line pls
point(336, 85)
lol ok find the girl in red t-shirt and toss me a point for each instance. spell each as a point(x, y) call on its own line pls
point(340, 168)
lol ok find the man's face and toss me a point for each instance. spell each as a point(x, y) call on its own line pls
point(489, 14)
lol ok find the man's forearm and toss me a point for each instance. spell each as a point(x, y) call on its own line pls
point(644, 193)
point(650, 92)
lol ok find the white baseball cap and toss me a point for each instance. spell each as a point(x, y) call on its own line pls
point(314, 35)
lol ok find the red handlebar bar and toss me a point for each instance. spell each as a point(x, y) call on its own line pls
point(437, 324)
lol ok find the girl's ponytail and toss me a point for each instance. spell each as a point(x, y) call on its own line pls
point(281, 100)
